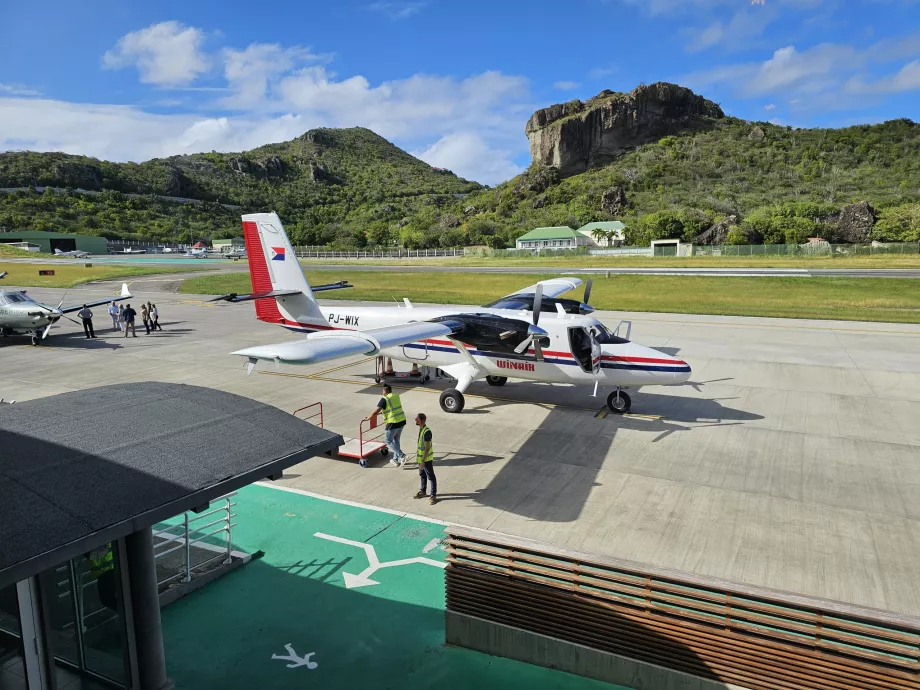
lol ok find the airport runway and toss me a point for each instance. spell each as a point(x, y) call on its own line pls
point(791, 462)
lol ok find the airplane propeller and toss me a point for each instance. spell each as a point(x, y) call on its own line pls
point(534, 332)
point(588, 291)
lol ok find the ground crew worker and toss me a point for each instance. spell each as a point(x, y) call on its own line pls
point(129, 320)
point(425, 458)
point(87, 315)
point(395, 419)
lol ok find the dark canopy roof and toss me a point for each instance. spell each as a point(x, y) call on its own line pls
point(80, 469)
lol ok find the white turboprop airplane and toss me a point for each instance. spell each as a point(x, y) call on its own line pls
point(505, 338)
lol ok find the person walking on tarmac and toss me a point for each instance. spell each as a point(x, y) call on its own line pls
point(425, 458)
point(395, 419)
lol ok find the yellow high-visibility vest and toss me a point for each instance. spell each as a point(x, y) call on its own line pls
point(420, 455)
point(394, 411)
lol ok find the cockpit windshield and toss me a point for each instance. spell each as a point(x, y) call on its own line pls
point(605, 336)
point(15, 298)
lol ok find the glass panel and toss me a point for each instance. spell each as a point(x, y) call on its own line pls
point(12, 674)
point(101, 609)
point(57, 595)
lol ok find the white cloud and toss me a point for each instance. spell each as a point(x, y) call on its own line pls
point(470, 156)
point(421, 105)
point(600, 72)
point(397, 10)
point(123, 133)
point(906, 79)
point(249, 72)
point(165, 54)
point(737, 32)
point(769, 106)
point(17, 90)
point(566, 85)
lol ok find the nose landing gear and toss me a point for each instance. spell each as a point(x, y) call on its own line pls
point(619, 402)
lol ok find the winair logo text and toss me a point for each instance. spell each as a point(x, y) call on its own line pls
point(519, 366)
point(344, 319)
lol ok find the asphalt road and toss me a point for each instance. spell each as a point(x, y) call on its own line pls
point(712, 272)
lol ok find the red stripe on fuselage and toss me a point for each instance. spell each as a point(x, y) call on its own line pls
point(266, 309)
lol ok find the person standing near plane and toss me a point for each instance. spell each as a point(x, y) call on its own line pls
point(87, 315)
point(129, 315)
point(395, 419)
point(154, 317)
point(113, 312)
point(425, 458)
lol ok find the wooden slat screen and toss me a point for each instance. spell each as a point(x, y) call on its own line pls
point(756, 638)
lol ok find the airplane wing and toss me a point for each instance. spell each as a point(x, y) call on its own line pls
point(335, 344)
point(124, 295)
point(552, 287)
point(234, 297)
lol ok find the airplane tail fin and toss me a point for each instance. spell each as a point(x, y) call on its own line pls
point(273, 265)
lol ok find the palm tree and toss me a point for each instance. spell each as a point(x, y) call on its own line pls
point(598, 234)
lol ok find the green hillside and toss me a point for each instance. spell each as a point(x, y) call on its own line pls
point(775, 180)
point(731, 180)
point(327, 185)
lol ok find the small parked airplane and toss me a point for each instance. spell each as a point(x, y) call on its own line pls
point(22, 315)
point(492, 342)
point(197, 253)
point(76, 253)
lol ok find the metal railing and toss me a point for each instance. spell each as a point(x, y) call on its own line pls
point(309, 253)
point(192, 533)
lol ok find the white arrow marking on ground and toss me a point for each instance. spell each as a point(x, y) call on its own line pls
point(431, 546)
point(296, 661)
point(362, 579)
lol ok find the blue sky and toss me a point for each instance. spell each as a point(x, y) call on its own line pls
point(453, 83)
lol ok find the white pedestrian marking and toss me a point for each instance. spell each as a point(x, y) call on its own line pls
point(297, 661)
point(362, 579)
point(431, 546)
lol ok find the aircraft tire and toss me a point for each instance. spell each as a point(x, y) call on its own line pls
point(35, 340)
point(496, 380)
point(452, 400)
point(619, 407)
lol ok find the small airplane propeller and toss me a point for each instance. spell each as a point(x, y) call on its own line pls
point(534, 332)
point(588, 291)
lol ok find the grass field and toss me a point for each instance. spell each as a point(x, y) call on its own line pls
point(878, 261)
point(68, 275)
point(854, 299)
point(17, 253)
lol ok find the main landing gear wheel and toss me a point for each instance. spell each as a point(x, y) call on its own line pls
point(619, 402)
point(384, 451)
point(35, 340)
point(452, 400)
point(496, 380)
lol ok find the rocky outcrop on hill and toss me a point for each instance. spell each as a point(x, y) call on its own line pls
point(269, 167)
point(574, 136)
point(853, 223)
point(77, 175)
point(614, 201)
point(717, 233)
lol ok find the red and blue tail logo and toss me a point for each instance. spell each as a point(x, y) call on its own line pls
point(277, 253)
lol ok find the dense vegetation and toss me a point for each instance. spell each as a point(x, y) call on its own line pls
point(330, 185)
point(351, 188)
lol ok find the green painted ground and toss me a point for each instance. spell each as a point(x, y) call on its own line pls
point(386, 635)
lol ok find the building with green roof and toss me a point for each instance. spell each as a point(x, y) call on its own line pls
point(557, 237)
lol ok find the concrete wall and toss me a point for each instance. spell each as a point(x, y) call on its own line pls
point(514, 643)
